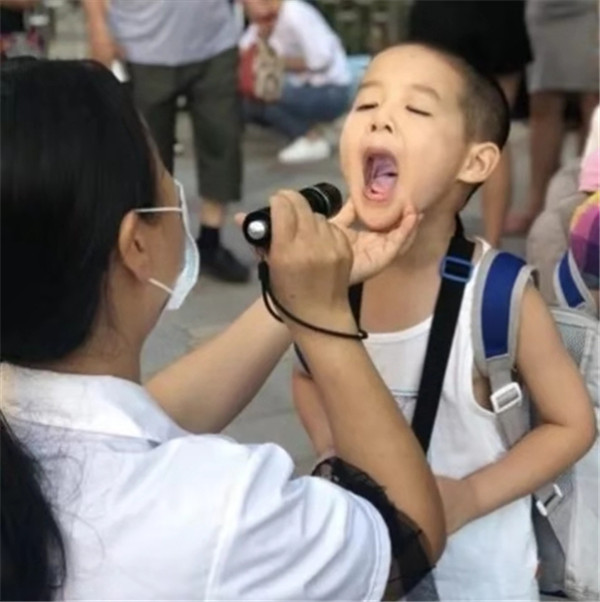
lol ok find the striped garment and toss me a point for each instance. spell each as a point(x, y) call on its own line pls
point(584, 240)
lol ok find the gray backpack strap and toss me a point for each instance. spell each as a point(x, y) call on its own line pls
point(569, 287)
point(499, 288)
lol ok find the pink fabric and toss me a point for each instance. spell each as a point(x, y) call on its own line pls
point(589, 176)
point(584, 240)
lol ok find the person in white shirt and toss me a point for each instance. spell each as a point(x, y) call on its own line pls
point(113, 490)
point(317, 77)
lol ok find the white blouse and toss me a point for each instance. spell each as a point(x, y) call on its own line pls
point(149, 511)
point(301, 31)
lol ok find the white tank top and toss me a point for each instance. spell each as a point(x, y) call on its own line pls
point(494, 557)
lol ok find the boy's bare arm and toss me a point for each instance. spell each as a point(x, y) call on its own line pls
point(567, 428)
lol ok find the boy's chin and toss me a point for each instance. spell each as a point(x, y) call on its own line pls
point(378, 220)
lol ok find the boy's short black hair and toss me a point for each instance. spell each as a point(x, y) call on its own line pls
point(485, 108)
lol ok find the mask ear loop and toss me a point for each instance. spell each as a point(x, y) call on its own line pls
point(159, 210)
point(163, 209)
point(160, 285)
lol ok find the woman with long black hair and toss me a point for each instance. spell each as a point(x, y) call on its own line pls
point(111, 490)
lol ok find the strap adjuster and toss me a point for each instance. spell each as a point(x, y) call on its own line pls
point(544, 508)
point(506, 397)
point(456, 269)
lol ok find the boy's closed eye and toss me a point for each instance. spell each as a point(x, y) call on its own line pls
point(365, 106)
point(416, 111)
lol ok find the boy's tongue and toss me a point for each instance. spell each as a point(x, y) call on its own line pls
point(383, 175)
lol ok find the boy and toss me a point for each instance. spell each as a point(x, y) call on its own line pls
point(426, 129)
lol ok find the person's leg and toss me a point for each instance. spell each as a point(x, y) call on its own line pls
point(253, 111)
point(296, 114)
point(546, 137)
point(283, 115)
point(314, 104)
point(217, 123)
point(497, 190)
point(154, 90)
point(287, 116)
point(588, 101)
point(301, 107)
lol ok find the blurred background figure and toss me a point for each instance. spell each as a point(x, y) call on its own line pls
point(17, 36)
point(551, 232)
point(178, 48)
point(311, 65)
point(564, 37)
point(490, 34)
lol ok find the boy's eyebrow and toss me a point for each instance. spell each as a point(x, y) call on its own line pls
point(427, 90)
point(418, 87)
point(368, 84)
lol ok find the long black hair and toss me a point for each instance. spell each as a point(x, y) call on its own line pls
point(75, 159)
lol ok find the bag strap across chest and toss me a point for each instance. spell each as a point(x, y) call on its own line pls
point(456, 269)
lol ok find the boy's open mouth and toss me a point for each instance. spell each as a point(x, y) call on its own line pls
point(380, 174)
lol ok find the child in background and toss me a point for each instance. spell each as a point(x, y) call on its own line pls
point(426, 130)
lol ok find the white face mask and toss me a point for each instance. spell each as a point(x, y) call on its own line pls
point(191, 258)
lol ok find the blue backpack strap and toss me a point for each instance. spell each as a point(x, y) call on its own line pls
point(499, 287)
point(570, 288)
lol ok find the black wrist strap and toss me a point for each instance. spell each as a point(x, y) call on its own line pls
point(270, 300)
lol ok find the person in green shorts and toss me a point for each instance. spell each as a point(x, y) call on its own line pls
point(178, 48)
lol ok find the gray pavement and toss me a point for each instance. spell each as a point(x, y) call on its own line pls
point(213, 305)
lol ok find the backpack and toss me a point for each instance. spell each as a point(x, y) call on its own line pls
point(261, 73)
point(566, 510)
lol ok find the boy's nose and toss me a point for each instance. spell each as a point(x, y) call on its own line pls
point(382, 123)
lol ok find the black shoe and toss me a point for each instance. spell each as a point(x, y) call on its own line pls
point(222, 264)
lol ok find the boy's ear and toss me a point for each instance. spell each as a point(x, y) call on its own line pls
point(479, 163)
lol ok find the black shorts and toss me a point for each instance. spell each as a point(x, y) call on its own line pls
point(210, 88)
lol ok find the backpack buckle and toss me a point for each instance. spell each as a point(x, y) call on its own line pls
point(544, 508)
point(456, 269)
point(506, 397)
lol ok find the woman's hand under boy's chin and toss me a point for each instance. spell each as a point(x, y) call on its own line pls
point(374, 251)
point(459, 501)
point(383, 219)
